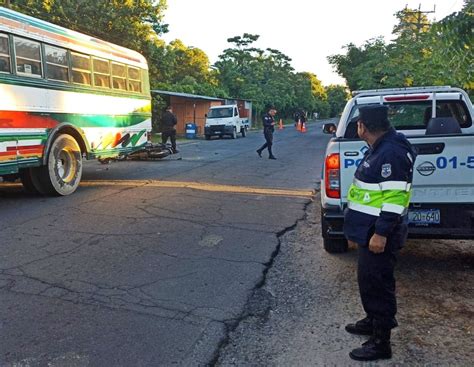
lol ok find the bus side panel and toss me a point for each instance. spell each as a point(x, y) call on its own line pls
point(8, 162)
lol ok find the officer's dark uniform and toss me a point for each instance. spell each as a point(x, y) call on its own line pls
point(268, 130)
point(377, 203)
point(168, 130)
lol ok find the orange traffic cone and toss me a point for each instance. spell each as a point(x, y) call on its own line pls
point(298, 125)
point(303, 127)
point(280, 127)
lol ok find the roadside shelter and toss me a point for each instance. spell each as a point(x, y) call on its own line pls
point(189, 108)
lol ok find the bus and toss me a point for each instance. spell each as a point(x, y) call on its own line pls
point(65, 97)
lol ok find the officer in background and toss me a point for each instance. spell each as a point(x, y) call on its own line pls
point(268, 129)
point(168, 130)
point(376, 220)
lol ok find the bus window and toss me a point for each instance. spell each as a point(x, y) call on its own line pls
point(56, 63)
point(101, 73)
point(4, 54)
point(119, 76)
point(81, 68)
point(134, 80)
point(28, 57)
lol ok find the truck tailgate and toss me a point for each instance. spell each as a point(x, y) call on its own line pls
point(444, 169)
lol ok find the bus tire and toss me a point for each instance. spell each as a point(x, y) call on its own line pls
point(62, 173)
point(26, 177)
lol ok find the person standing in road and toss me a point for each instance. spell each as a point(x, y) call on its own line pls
point(376, 220)
point(168, 129)
point(268, 129)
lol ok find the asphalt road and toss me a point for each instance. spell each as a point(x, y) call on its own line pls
point(149, 263)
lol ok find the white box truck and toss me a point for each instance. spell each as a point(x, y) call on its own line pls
point(225, 120)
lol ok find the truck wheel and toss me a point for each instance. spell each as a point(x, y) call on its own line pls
point(234, 133)
point(244, 132)
point(208, 137)
point(335, 246)
point(62, 173)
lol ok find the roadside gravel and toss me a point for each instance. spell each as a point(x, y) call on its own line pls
point(297, 317)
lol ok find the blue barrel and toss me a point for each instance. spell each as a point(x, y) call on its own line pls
point(191, 130)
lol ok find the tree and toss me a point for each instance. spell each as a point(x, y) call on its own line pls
point(337, 98)
point(129, 23)
point(422, 54)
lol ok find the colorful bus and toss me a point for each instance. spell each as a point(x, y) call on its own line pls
point(65, 97)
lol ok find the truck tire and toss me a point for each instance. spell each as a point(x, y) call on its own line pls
point(62, 173)
point(234, 133)
point(244, 132)
point(208, 137)
point(335, 245)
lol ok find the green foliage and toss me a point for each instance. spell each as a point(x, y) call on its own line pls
point(337, 98)
point(422, 54)
point(267, 78)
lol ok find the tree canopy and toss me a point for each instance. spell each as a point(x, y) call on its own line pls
point(423, 53)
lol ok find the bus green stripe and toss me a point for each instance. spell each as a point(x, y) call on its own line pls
point(117, 121)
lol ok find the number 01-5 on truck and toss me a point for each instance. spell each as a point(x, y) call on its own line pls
point(438, 121)
point(64, 96)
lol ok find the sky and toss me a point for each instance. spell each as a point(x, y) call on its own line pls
point(305, 30)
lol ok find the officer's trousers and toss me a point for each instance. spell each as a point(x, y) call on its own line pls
point(375, 275)
point(169, 134)
point(268, 142)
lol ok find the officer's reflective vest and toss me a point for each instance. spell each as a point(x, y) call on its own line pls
point(372, 198)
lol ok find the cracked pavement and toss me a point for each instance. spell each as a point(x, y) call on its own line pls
point(145, 275)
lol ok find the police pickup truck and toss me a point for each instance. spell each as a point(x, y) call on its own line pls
point(438, 121)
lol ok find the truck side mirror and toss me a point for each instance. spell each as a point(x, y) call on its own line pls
point(329, 128)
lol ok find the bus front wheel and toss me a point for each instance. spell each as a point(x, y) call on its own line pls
point(62, 173)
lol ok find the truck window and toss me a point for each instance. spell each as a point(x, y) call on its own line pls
point(415, 115)
point(220, 113)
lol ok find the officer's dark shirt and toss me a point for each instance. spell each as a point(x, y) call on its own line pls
point(168, 121)
point(267, 123)
point(390, 149)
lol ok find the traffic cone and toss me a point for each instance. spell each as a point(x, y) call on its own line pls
point(280, 127)
point(298, 125)
point(303, 127)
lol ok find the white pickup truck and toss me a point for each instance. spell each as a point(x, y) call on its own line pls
point(438, 121)
point(225, 120)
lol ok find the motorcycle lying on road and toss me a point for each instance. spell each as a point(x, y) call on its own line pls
point(149, 151)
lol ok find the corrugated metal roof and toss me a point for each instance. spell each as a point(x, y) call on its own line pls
point(185, 95)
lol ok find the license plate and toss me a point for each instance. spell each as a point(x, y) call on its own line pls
point(424, 216)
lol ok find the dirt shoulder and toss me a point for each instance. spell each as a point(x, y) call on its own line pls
point(297, 317)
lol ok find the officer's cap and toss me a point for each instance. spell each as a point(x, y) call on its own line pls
point(374, 117)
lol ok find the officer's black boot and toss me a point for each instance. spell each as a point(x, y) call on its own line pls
point(270, 153)
point(377, 347)
point(361, 327)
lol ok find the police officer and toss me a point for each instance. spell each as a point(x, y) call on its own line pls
point(168, 129)
point(376, 221)
point(268, 129)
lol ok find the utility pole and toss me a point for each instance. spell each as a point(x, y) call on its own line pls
point(418, 15)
